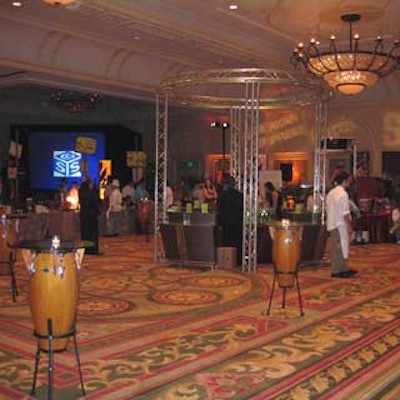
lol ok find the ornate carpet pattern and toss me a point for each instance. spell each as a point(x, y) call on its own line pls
point(148, 330)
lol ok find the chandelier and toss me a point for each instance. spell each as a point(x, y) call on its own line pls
point(349, 71)
point(75, 102)
point(59, 2)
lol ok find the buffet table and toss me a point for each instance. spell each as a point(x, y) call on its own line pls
point(189, 244)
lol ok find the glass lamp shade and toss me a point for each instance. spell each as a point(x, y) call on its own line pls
point(59, 2)
point(348, 73)
point(351, 81)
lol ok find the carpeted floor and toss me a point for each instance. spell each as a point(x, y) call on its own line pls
point(158, 332)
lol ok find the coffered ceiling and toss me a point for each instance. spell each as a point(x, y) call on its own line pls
point(125, 48)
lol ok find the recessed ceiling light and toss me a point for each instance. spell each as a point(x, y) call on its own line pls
point(233, 6)
point(16, 3)
point(136, 38)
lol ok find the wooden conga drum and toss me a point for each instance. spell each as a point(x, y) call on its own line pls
point(145, 212)
point(54, 294)
point(286, 252)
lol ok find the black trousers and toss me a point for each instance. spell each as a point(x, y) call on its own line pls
point(90, 231)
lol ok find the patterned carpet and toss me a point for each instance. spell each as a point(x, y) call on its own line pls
point(148, 331)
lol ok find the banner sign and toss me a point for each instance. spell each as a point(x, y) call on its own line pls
point(136, 159)
point(85, 145)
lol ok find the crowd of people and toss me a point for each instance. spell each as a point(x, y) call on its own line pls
point(86, 199)
point(227, 202)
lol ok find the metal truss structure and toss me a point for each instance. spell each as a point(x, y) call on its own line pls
point(319, 184)
point(242, 92)
point(160, 191)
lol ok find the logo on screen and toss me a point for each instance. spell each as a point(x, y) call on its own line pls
point(67, 164)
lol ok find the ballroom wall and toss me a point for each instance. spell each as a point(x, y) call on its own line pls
point(288, 134)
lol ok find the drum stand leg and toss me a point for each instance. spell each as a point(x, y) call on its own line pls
point(284, 297)
point(78, 361)
point(284, 288)
point(298, 293)
point(14, 287)
point(37, 360)
point(271, 294)
point(51, 368)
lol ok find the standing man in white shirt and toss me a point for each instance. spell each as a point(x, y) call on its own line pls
point(339, 225)
point(113, 213)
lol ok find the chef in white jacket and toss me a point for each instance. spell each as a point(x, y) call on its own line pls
point(339, 225)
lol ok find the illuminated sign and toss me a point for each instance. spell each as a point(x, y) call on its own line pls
point(136, 159)
point(67, 164)
point(85, 145)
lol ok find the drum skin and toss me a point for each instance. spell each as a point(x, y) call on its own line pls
point(145, 211)
point(286, 254)
point(11, 237)
point(54, 297)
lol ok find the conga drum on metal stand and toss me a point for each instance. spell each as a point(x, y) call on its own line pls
point(54, 269)
point(286, 250)
point(145, 212)
point(8, 236)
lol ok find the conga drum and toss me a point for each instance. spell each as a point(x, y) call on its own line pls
point(145, 212)
point(54, 294)
point(286, 252)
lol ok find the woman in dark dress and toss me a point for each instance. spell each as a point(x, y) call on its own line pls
point(89, 212)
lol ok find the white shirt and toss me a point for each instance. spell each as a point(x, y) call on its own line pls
point(170, 197)
point(337, 207)
point(396, 215)
point(115, 200)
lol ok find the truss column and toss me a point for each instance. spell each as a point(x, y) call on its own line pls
point(250, 176)
point(317, 160)
point(235, 149)
point(323, 126)
point(160, 193)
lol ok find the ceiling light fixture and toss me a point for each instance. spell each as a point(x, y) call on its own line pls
point(75, 102)
point(59, 2)
point(224, 126)
point(349, 71)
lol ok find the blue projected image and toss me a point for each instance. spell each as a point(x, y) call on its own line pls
point(67, 164)
point(52, 156)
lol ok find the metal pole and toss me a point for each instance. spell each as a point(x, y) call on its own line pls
point(223, 142)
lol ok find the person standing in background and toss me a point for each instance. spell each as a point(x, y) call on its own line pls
point(128, 198)
point(63, 193)
point(210, 192)
point(141, 191)
point(170, 196)
point(396, 223)
point(339, 225)
point(113, 213)
point(89, 212)
point(230, 216)
point(274, 200)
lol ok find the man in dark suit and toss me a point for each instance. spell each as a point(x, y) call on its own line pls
point(89, 212)
point(230, 216)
